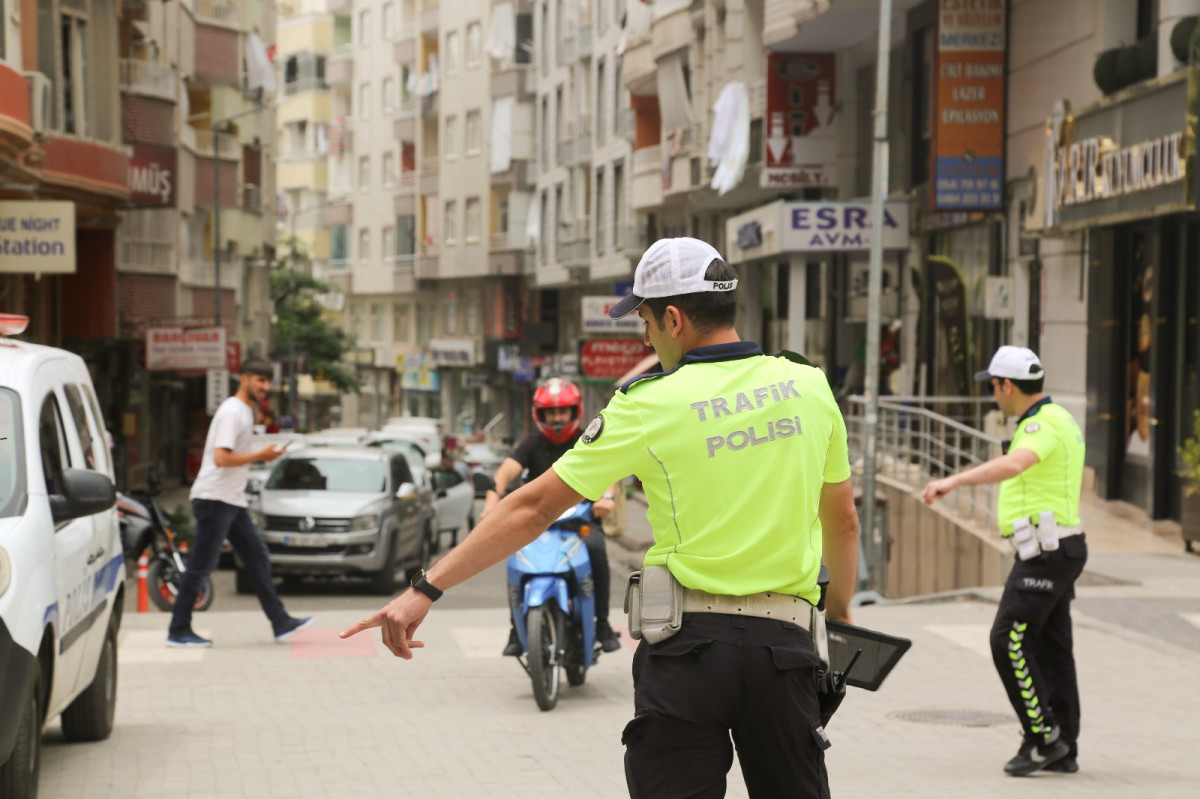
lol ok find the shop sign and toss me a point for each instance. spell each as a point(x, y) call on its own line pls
point(417, 373)
point(802, 126)
point(1118, 161)
point(606, 359)
point(216, 389)
point(452, 352)
point(524, 371)
point(507, 357)
point(596, 320)
point(233, 358)
point(37, 237)
point(184, 349)
point(152, 176)
point(968, 123)
point(841, 227)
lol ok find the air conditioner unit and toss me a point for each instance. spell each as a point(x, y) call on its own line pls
point(41, 101)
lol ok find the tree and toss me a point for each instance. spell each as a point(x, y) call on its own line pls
point(295, 295)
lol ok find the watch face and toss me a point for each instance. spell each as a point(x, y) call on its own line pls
point(416, 578)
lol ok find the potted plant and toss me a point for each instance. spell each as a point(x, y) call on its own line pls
point(1189, 453)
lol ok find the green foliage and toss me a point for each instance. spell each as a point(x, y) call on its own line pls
point(1183, 38)
point(1124, 66)
point(181, 523)
point(320, 346)
point(1189, 453)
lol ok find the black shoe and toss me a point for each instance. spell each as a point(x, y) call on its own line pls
point(1068, 765)
point(513, 648)
point(1032, 758)
point(607, 636)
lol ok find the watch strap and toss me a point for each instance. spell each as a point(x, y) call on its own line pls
point(422, 584)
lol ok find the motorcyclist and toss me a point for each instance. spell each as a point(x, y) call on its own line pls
point(557, 411)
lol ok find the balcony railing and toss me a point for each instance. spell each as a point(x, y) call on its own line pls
point(148, 77)
point(305, 85)
point(251, 196)
point(340, 264)
point(583, 41)
point(197, 272)
point(146, 255)
point(626, 124)
point(758, 98)
point(216, 12)
point(201, 141)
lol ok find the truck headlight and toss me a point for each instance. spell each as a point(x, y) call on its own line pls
point(5, 571)
point(259, 518)
point(369, 521)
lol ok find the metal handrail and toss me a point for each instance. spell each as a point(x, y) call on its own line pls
point(916, 445)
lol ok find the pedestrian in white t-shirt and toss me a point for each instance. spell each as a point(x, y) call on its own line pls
point(219, 505)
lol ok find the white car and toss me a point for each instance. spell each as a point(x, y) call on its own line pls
point(62, 571)
point(453, 496)
point(422, 428)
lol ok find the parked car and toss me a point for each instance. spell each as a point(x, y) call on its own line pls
point(482, 458)
point(337, 437)
point(62, 569)
point(336, 510)
point(260, 471)
point(426, 430)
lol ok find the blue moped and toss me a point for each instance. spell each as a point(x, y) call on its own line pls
point(551, 595)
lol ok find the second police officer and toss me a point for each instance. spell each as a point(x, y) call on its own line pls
point(743, 458)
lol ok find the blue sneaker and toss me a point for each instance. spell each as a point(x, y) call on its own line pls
point(188, 640)
point(293, 626)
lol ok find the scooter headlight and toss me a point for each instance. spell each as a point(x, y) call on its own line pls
point(523, 559)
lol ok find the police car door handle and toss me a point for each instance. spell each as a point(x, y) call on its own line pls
point(95, 556)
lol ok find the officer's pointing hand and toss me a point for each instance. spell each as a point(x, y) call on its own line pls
point(936, 489)
point(397, 621)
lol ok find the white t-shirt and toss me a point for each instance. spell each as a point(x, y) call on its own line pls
point(232, 428)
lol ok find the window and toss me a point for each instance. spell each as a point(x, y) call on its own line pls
point(451, 137)
point(619, 205)
point(424, 322)
point(389, 20)
point(560, 131)
point(600, 211)
point(619, 104)
point(364, 244)
point(502, 214)
point(364, 100)
point(339, 243)
point(474, 45)
point(451, 222)
point(453, 56)
point(450, 323)
point(599, 102)
point(356, 321)
point(389, 96)
point(474, 133)
point(73, 31)
point(53, 440)
point(389, 169)
point(364, 27)
point(472, 305)
point(545, 143)
point(400, 322)
point(389, 243)
point(376, 322)
point(544, 48)
point(471, 228)
point(364, 173)
point(93, 447)
point(406, 235)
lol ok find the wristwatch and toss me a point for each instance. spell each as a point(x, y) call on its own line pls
point(419, 583)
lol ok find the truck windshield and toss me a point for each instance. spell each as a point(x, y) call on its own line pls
point(12, 455)
point(329, 474)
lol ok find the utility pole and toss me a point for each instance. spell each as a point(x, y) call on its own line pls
point(879, 190)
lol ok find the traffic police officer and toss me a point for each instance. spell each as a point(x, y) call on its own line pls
point(1040, 476)
point(744, 461)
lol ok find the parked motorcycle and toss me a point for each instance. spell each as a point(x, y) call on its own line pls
point(551, 595)
point(146, 527)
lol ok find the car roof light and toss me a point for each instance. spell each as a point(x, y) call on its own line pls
point(12, 324)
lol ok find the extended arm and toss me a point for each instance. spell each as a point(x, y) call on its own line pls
point(839, 542)
point(227, 458)
point(509, 470)
point(994, 471)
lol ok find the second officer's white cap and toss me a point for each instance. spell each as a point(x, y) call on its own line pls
point(669, 268)
point(1014, 363)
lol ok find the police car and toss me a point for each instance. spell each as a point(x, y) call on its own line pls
point(61, 567)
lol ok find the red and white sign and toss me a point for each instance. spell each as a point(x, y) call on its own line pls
point(596, 320)
point(152, 175)
point(609, 358)
point(178, 348)
point(802, 126)
point(233, 357)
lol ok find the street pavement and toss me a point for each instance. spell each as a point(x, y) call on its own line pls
point(321, 717)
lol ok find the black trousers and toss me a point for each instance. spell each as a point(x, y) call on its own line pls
point(1032, 644)
point(720, 675)
point(601, 574)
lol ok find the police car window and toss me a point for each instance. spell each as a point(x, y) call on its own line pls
point(87, 438)
point(52, 440)
point(101, 430)
point(12, 455)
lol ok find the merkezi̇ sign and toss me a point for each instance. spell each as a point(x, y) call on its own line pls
point(37, 237)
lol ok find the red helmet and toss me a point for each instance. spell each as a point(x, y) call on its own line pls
point(557, 393)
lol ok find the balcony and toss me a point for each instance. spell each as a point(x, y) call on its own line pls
point(429, 16)
point(251, 198)
point(341, 8)
point(404, 204)
point(426, 265)
point(305, 85)
point(339, 67)
point(149, 78)
point(15, 132)
point(340, 264)
point(583, 41)
point(626, 124)
point(216, 12)
point(513, 79)
point(339, 211)
point(309, 173)
point(564, 51)
point(199, 272)
point(405, 49)
point(404, 268)
point(647, 178)
point(427, 181)
point(205, 143)
point(757, 90)
point(516, 176)
point(573, 243)
point(147, 256)
point(404, 124)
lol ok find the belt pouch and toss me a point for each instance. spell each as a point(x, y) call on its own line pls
point(654, 601)
point(1024, 539)
point(1047, 531)
point(820, 638)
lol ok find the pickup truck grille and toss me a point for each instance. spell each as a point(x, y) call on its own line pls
point(291, 524)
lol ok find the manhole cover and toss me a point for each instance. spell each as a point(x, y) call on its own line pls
point(956, 718)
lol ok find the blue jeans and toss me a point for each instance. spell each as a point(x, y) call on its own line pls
point(216, 521)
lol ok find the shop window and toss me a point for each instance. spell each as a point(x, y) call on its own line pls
point(73, 42)
point(400, 322)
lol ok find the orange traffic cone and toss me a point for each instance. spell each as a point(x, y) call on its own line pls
point(143, 594)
